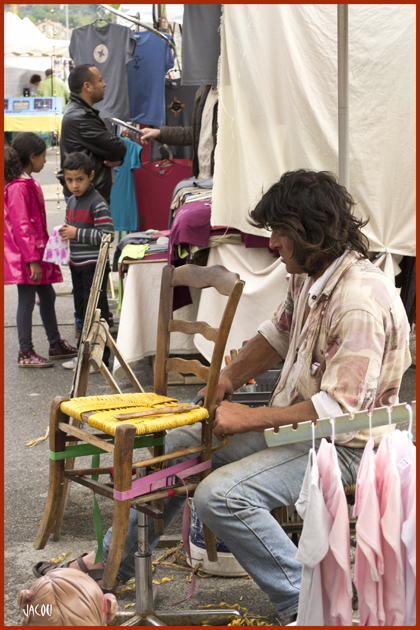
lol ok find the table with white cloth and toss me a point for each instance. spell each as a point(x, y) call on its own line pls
point(265, 288)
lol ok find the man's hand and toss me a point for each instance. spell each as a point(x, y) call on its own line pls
point(225, 389)
point(232, 418)
point(36, 271)
point(149, 134)
point(111, 164)
point(67, 232)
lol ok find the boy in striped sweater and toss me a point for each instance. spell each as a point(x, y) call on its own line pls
point(88, 218)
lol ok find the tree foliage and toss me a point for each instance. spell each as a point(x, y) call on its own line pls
point(79, 14)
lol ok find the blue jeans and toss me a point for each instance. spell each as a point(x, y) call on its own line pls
point(235, 502)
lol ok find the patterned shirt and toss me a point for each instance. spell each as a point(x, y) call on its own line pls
point(91, 215)
point(354, 345)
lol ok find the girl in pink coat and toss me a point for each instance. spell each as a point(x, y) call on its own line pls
point(25, 238)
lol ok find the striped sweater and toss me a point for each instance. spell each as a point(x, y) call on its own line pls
point(91, 215)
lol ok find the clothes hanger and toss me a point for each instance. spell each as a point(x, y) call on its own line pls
point(313, 425)
point(410, 421)
point(370, 424)
point(148, 28)
point(389, 411)
point(101, 18)
point(332, 421)
point(343, 424)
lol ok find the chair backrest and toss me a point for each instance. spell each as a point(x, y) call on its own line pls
point(226, 283)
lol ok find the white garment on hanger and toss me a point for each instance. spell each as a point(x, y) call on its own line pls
point(406, 466)
point(313, 545)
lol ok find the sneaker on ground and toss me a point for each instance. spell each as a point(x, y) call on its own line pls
point(71, 365)
point(29, 358)
point(62, 350)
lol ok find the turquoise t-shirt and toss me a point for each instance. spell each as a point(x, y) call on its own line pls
point(123, 204)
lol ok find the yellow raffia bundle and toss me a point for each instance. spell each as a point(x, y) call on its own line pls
point(107, 406)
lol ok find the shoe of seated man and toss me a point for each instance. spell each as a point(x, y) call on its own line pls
point(71, 365)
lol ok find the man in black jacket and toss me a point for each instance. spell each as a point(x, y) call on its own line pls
point(84, 130)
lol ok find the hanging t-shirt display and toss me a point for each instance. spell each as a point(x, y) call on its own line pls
point(109, 48)
point(153, 58)
point(123, 194)
point(179, 108)
point(200, 43)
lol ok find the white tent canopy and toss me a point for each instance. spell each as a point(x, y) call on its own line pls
point(21, 37)
point(278, 111)
point(26, 50)
point(174, 12)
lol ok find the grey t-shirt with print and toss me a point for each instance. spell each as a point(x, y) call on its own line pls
point(109, 48)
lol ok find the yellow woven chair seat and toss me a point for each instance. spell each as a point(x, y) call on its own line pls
point(107, 406)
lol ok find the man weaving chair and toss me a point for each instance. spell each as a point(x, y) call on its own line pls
point(343, 334)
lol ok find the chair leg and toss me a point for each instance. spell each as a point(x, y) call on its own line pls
point(209, 537)
point(56, 478)
point(123, 461)
point(159, 504)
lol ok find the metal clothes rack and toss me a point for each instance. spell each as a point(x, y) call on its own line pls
point(147, 27)
point(343, 424)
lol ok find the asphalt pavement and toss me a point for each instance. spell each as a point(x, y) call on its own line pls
point(27, 396)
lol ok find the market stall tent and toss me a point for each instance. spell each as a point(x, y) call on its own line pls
point(26, 50)
point(278, 112)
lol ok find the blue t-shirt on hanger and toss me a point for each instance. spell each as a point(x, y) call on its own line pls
point(153, 58)
point(123, 204)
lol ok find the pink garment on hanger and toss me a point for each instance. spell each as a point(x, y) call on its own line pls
point(406, 466)
point(390, 507)
point(369, 565)
point(337, 591)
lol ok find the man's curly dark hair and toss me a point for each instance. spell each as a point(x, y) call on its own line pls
point(316, 212)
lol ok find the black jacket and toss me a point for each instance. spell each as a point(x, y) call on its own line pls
point(84, 130)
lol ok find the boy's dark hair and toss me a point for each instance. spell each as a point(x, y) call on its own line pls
point(27, 144)
point(78, 160)
point(12, 164)
point(79, 75)
point(35, 78)
point(315, 211)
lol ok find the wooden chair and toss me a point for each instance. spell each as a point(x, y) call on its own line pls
point(121, 439)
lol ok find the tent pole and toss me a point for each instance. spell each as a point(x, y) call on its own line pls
point(343, 96)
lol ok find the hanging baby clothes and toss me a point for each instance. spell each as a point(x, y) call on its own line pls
point(389, 493)
point(123, 204)
point(369, 564)
point(109, 48)
point(153, 58)
point(337, 591)
point(313, 545)
point(406, 465)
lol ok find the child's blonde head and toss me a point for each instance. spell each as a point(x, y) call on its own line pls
point(66, 597)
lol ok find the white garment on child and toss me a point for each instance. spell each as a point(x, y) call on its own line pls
point(313, 545)
point(56, 250)
point(369, 564)
point(406, 465)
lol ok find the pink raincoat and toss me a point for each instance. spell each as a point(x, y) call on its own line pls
point(25, 233)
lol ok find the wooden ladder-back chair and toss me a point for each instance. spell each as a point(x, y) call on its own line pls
point(142, 428)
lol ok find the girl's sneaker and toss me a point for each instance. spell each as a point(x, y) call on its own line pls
point(29, 358)
point(71, 365)
point(61, 349)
